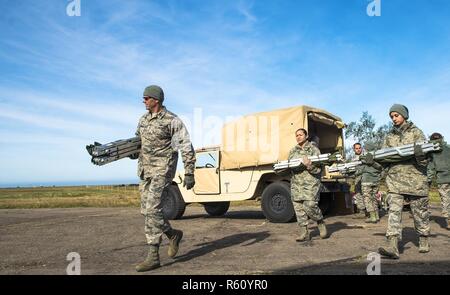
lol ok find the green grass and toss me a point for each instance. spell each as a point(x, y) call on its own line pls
point(92, 196)
point(64, 197)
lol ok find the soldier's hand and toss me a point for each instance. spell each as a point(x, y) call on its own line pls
point(189, 181)
point(307, 162)
point(418, 152)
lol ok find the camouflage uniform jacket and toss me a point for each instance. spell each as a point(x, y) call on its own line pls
point(439, 165)
point(410, 175)
point(162, 135)
point(305, 184)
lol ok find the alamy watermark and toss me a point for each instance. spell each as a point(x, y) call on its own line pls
point(374, 8)
point(374, 267)
point(73, 8)
point(252, 133)
point(74, 267)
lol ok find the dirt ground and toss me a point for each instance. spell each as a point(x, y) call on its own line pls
point(111, 241)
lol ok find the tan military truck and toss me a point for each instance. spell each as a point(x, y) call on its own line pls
point(241, 167)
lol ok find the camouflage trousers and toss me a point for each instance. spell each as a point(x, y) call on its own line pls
point(419, 210)
point(369, 191)
point(444, 192)
point(151, 190)
point(359, 198)
point(305, 209)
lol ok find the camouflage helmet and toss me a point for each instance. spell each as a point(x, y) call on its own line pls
point(154, 92)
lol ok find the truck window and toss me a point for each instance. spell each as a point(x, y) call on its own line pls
point(206, 160)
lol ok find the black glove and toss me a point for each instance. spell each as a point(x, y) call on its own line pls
point(299, 168)
point(189, 181)
point(368, 159)
point(283, 172)
point(418, 152)
point(134, 156)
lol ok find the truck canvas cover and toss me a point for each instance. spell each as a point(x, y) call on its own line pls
point(267, 137)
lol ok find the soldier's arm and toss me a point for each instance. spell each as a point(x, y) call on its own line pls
point(377, 166)
point(431, 170)
point(359, 171)
point(315, 168)
point(293, 155)
point(138, 134)
point(182, 142)
point(420, 137)
point(387, 144)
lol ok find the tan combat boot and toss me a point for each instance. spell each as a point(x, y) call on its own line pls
point(303, 234)
point(392, 250)
point(372, 217)
point(152, 260)
point(322, 229)
point(377, 213)
point(175, 237)
point(424, 246)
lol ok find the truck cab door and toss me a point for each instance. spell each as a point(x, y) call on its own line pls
point(207, 173)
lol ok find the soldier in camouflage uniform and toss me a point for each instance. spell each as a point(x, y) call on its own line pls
point(305, 187)
point(162, 135)
point(358, 197)
point(439, 167)
point(406, 180)
point(370, 180)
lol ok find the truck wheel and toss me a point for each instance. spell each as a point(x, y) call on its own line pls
point(216, 208)
point(173, 203)
point(276, 203)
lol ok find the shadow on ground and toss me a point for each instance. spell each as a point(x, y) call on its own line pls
point(244, 214)
point(229, 241)
point(358, 266)
point(439, 220)
point(409, 235)
point(333, 228)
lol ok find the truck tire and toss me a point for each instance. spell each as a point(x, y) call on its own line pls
point(276, 203)
point(216, 208)
point(173, 203)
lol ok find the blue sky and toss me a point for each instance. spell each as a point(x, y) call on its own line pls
point(68, 81)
